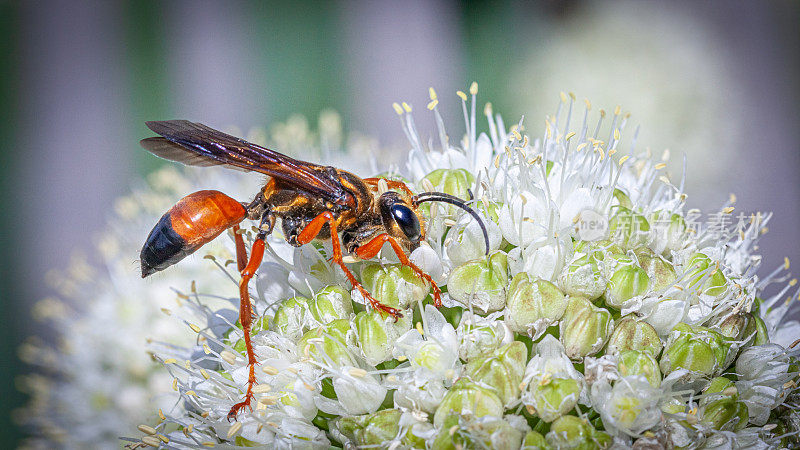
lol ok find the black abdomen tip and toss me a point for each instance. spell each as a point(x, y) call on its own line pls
point(163, 248)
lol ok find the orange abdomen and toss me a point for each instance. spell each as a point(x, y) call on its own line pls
point(195, 220)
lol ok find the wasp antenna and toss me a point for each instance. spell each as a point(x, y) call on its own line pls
point(453, 200)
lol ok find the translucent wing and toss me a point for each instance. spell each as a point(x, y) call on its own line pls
point(195, 144)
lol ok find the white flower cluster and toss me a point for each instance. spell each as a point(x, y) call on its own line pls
point(600, 317)
point(92, 380)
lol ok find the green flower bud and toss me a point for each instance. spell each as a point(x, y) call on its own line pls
point(583, 277)
point(331, 303)
point(490, 433)
point(328, 343)
point(532, 306)
point(697, 349)
point(550, 399)
point(584, 328)
point(290, 317)
point(502, 370)
point(623, 199)
point(660, 271)
point(479, 335)
point(720, 387)
point(628, 281)
point(733, 326)
point(377, 334)
point(633, 334)
point(468, 398)
point(344, 428)
point(451, 181)
point(380, 428)
point(704, 276)
point(671, 230)
point(481, 282)
point(633, 362)
point(673, 406)
point(394, 285)
point(725, 414)
point(534, 441)
point(570, 432)
point(755, 330)
point(628, 228)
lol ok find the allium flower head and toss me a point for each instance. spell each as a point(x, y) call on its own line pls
point(603, 314)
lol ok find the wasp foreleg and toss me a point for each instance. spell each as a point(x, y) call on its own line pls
point(371, 248)
point(310, 232)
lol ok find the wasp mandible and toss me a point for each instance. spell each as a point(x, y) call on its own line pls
point(312, 201)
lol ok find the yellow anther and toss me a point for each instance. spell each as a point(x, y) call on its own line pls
point(206, 349)
point(581, 146)
point(569, 135)
point(174, 384)
point(397, 109)
point(161, 414)
point(487, 110)
point(786, 263)
point(420, 329)
point(462, 95)
point(194, 328)
point(588, 103)
point(432, 93)
point(357, 372)
point(261, 388)
point(228, 357)
point(166, 311)
point(147, 429)
point(616, 134)
point(659, 166)
point(473, 88)
point(170, 361)
point(563, 96)
point(151, 441)
point(205, 374)
point(728, 209)
point(269, 370)
point(623, 159)
point(432, 104)
point(406, 107)
point(602, 113)
point(234, 429)
point(617, 110)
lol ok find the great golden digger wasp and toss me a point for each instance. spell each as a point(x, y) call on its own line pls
point(312, 202)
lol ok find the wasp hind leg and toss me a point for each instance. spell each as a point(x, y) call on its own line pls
point(247, 272)
point(310, 232)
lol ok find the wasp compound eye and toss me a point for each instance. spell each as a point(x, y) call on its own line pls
point(407, 221)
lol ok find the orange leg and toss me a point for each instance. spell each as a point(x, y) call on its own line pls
point(371, 248)
point(241, 252)
point(393, 184)
point(310, 232)
point(246, 315)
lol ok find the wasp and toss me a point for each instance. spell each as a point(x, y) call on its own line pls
point(312, 202)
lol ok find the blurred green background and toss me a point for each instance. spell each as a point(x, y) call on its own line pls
point(715, 80)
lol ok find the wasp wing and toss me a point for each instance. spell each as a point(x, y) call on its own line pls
point(198, 145)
